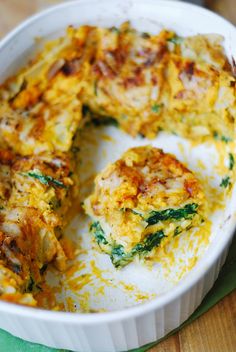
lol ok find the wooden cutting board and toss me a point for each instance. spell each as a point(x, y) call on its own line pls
point(215, 331)
point(226, 8)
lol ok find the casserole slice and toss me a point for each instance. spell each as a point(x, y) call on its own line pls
point(36, 194)
point(141, 202)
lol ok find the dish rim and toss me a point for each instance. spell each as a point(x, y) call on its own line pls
point(184, 285)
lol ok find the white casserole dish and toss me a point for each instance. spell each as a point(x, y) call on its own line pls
point(136, 326)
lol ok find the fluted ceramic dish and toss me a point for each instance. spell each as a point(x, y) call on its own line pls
point(129, 323)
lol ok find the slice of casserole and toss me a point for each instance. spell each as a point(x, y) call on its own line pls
point(142, 201)
point(36, 193)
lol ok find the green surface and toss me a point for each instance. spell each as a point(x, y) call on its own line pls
point(225, 284)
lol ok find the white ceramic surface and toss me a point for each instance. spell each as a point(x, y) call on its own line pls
point(133, 327)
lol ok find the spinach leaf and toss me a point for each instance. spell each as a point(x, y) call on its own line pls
point(226, 139)
point(44, 179)
point(221, 138)
point(104, 121)
point(145, 35)
point(98, 120)
point(175, 40)
point(121, 258)
point(186, 212)
point(151, 241)
point(156, 108)
point(98, 232)
point(16, 268)
point(31, 284)
point(225, 182)
point(115, 30)
point(177, 231)
point(43, 269)
point(231, 161)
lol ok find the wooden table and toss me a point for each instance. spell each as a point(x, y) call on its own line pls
point(215, 331)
